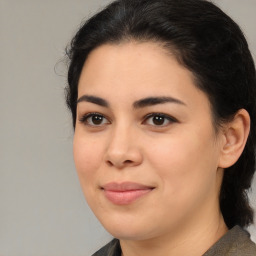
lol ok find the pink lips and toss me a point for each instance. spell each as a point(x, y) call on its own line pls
point(125, 193)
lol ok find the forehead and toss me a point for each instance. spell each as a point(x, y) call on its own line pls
point(135, 69)
point(126, 59)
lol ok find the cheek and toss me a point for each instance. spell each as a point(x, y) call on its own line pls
point(87, 157)
point(187, 177)
point(185, 162)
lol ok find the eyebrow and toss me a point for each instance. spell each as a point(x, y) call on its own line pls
point(93, 99)
point(149, 101)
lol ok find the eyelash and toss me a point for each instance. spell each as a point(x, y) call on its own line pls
point(170, 119)
point(84, 119)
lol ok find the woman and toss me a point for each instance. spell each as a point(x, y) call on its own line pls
point(162, 95)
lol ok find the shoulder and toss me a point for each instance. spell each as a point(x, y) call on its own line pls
point(236, 242)
point(244, 245)
point(110, 249)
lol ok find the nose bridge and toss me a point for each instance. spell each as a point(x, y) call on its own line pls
point(121, 139)
point(122, 149)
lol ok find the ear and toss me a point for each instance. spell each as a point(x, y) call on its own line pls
point(235, 134)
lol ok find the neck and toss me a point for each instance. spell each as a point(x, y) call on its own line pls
point(194, 240)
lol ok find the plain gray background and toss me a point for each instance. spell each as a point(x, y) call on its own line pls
point(43, 211)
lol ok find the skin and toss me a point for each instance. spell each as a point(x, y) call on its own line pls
point(182, 159)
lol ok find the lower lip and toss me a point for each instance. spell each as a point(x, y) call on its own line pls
point(125, 197)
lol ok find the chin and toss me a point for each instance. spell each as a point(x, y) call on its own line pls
point(127, 230)
point(134, 235)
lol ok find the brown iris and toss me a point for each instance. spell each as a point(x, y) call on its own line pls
point(97, 119)
point(158, 120)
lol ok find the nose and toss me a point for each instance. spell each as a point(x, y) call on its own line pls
point(123, 149)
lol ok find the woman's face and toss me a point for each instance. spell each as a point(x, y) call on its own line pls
point(145, 148)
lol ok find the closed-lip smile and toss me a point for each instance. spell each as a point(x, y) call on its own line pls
point(126, 192)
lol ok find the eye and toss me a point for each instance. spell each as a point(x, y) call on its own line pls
point(159, 119)
point(94, 119)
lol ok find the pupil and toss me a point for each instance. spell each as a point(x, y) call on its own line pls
point(158, 120)
point(97, 119)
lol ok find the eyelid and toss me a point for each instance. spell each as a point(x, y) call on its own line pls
point(166, 116)
point(84, 117)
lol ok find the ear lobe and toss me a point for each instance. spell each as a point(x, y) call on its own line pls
point(235, 133)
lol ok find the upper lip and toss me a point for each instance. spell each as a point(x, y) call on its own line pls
point(125, 186)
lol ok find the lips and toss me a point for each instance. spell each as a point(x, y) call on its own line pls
point(126, 192)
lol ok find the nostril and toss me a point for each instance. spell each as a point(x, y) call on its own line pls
point(127, 162)
point(123, 164)
point(109, 163)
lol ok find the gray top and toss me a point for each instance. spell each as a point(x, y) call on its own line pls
point(236, 242)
